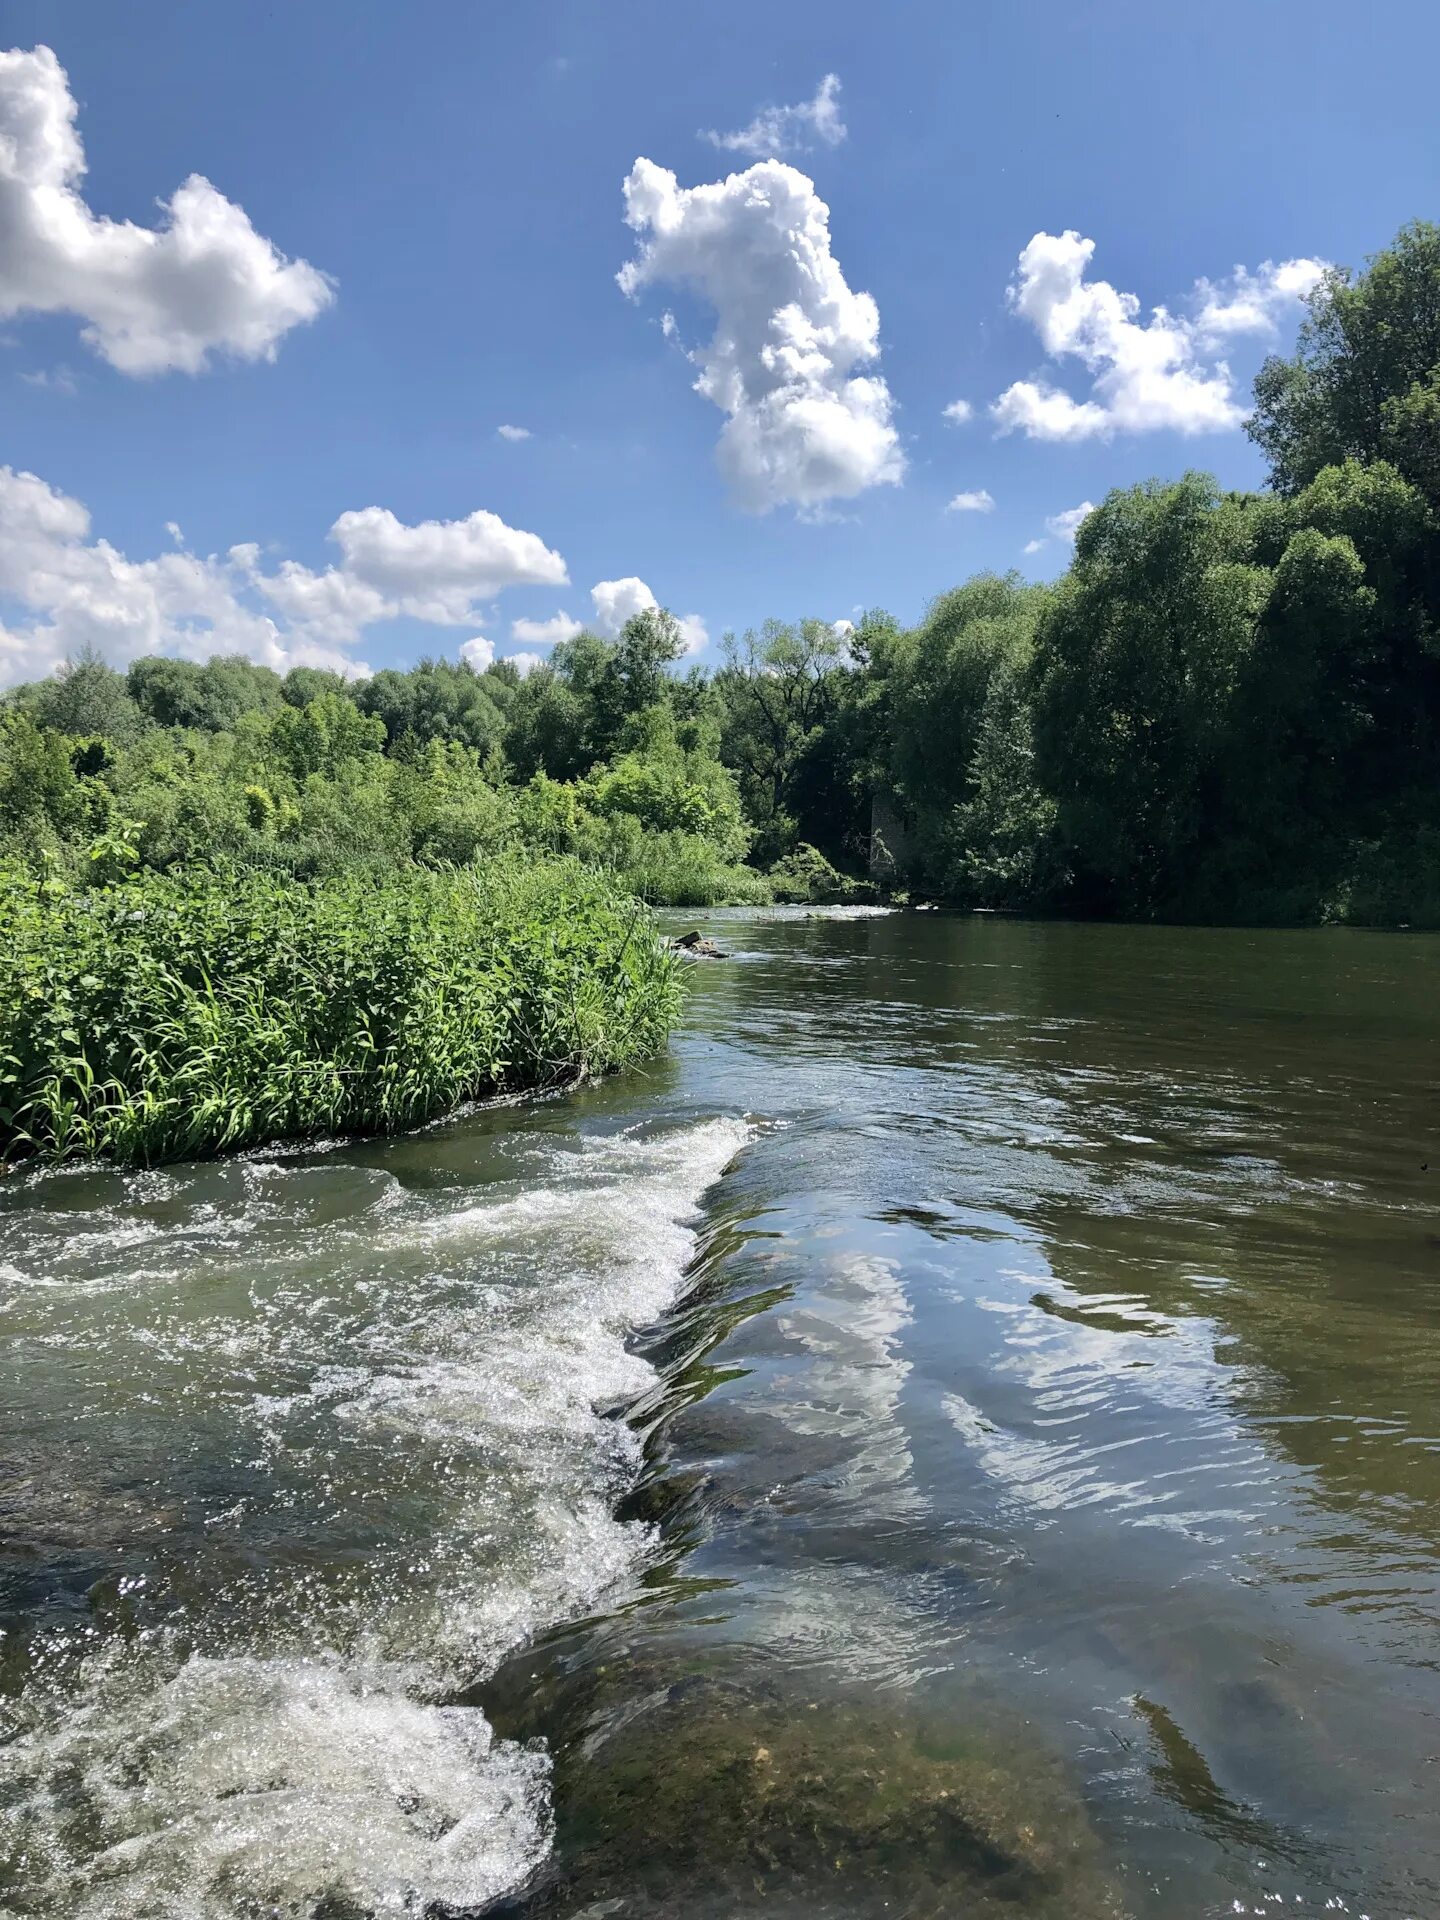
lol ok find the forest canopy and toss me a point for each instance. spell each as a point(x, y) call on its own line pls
point(1228, 707)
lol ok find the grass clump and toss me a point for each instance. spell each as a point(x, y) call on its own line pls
point(181, 1014)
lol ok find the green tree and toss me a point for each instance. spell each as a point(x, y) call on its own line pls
point(87, 699)
point(301, 685)
point(779, 690)
point(1364, 383)
point(1137, 661)
point(434, 700)
point(212, 697)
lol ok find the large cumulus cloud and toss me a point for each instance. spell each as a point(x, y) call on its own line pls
point(804, 425)
point(152, 300)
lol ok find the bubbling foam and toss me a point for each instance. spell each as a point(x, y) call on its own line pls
point(282, 1746)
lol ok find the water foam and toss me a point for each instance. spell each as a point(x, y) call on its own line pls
point(271, 1786)
point(285, 1751)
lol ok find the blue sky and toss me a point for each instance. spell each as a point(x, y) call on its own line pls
point(457, 173)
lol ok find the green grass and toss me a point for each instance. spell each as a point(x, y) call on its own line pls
point(180, 1015)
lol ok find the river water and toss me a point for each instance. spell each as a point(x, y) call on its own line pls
point(959, 1436)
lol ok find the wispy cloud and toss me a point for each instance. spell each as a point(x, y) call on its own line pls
point(780, 130)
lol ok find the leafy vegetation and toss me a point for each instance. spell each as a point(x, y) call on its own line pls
point(1228, 707)
point(183, 1013)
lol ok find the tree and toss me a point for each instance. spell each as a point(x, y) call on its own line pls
point(1364, 383)
point(435, 700)
point(1137, 661)
point(778, 690)
point(940, 680)
point(634, 675)
point(301, 685)
point(86, 698)
point(213, 697)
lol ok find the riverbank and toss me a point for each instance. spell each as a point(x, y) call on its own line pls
point(178, 1015)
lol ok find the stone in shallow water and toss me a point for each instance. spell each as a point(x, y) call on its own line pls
point(712, 1797)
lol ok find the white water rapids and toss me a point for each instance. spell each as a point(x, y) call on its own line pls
point(309, 1443)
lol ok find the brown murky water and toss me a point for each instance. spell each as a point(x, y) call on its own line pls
point(1028, 1499)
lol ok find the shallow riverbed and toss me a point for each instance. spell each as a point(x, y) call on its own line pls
point(1029, 1500)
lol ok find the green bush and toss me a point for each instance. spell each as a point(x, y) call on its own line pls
point(685, 870)
point(806, 875)
point(178, 1015)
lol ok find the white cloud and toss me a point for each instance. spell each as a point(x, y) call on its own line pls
point(82, 592)
point(1045, 413)
point(1065, 526)
point(544, 633)
point(523, 663)
point(438, 569)
point(513, 433)
point(332, 606)
point(479, 652)
point(802, 425)
point(153, 300)
point(1146, 375)
point(617, 601)
point(79, 591)
point(694, 634)
point(979, 501)
point(959, 411)
point(1062, 527)
point(778, 130)
point(1253, 302)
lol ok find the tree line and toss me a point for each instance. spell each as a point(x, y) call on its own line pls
point(1227, 708)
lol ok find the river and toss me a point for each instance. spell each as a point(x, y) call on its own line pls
point(961, 1435)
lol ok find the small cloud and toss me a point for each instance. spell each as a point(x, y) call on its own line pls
point(779, 130)
point(617, 601)
point(979, 501)
point(513, 433)
point(1254, 302)
point(544, 633)
point(478, 652)
point(842, 629)
point(51, 380)
point(693, 632)
point(959, 411)
point(172, 527)
point(669, 326)
point(1064, 526)
point(523, 663)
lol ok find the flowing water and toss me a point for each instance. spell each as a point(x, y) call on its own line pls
point(960, 1436)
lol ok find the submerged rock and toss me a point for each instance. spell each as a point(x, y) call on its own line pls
point(712, 1797)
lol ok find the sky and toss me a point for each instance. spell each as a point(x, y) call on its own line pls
point(343, 334)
